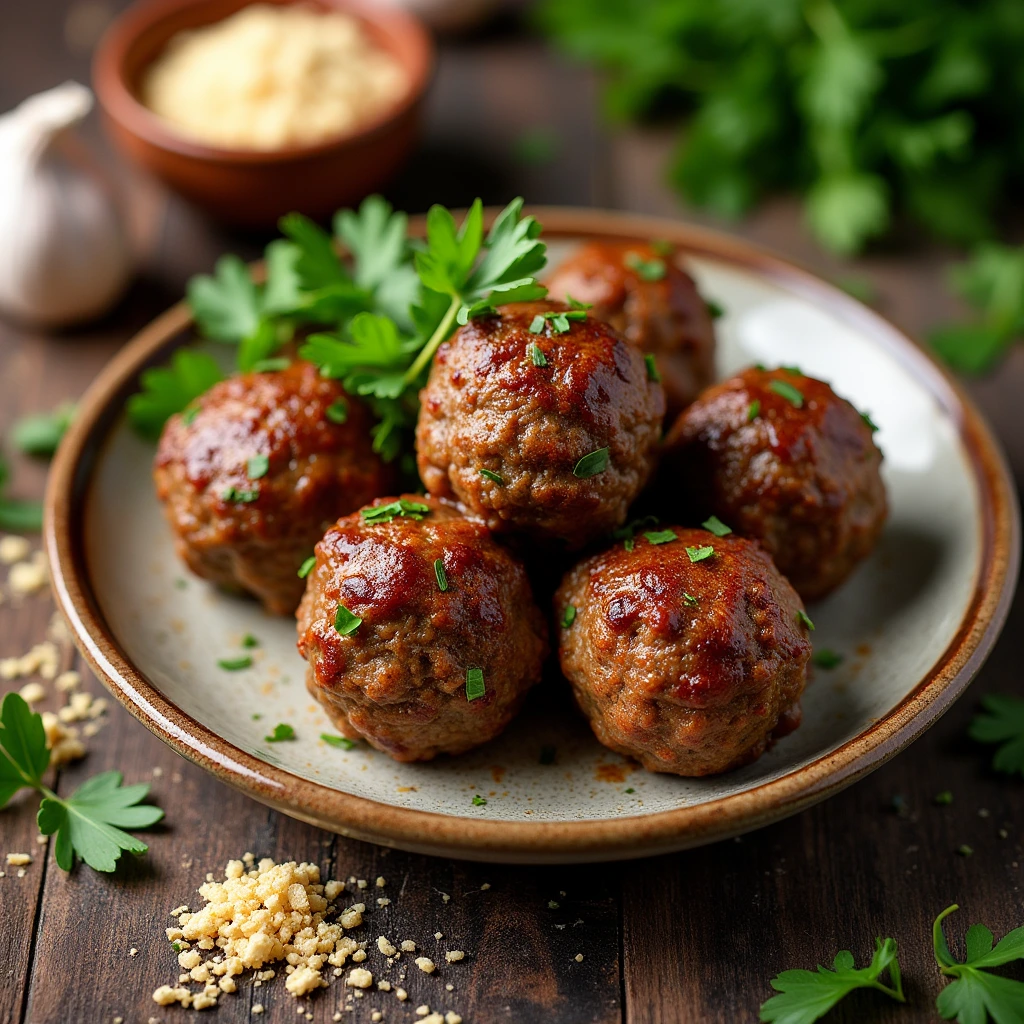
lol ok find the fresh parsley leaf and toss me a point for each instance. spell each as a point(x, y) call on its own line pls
point(337, 411)
point(568, 616)
point(652, 368)
point(1002, 722)
point(235, 664)
point(345, 621)
point(441, 575)
point(17, 516)
point(806, 996)
point(690, 600)
point(271, 365)
point(786, 390)
point(715, 525)
point(628, 532)
point(868, 422)
point(88, 823)
point(975, 995)
point(249, 641)
point(307, 567)
point(804, 619)
point(257, 466)
point(537, 357)
point(39, 434)
point(282, 732)
point(495, 478)
point(341, 742)
point(826, 658)
point(167, 390)
point(227, 306)
point(646, 270)
point(698, 553)
point(660, 536)
point(715, 309)
point(479, 801)
point(753, 410)
point(475, 686)
point(242, 495)
point(392, 509)
point(593, 464)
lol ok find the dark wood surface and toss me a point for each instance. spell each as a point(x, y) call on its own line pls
point(691, 937)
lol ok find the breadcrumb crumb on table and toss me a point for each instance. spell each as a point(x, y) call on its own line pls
point(359, 977)
point(454, 955)
point(14, 548)
point(451, 1017)
point(32, 693)
point(578, 958)
point(29, 577)
point(18, 859)
point(425, 964)
point(62, 740)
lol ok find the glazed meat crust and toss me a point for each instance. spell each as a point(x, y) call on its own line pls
point(399, 680)
point(316, 470)
point(805, 481)
point(488, 406)
point(665, 316)
point(689, 667)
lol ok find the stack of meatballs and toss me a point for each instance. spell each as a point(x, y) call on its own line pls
point(542, 429)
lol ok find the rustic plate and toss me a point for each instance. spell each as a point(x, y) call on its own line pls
point(915, 622)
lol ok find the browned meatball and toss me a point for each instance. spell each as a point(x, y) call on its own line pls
point(651, 302)
point(255, 472)
point(691, 667)
point(420, 631)
point(549, 434)
point(780, 457)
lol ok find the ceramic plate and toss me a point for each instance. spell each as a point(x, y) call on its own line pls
point(914, 623)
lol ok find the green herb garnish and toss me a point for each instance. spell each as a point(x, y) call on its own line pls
point(690, 600)
point(479, 801)
point(240, 494)
point(699, 553)
point(804, 619)
point(652, 368)
point(345, 622)
point(88, 823)
point(235, 664)
point(257, 466)
point(715, 309)
point(868, 422)
point(341, 742)
point(558, 320)
point(249, 641)
point(537, 357)
point(307, 567)
point(786, 390)
point(19, 516)
point(827, 659)
point(495, 478)
point(715, 525)
point(568, 616)
point(1002, 722)
point(167, 390)
point(753, 410)
point(337, 411)
point(660, 536)
point(282, 731)
point(273, 365)
point(475, 683)
point(385, 513)
point(39, 434)
point(442, 576)
point(592, 464)
point(805, 996)
point(628, 532)
point(646, 270)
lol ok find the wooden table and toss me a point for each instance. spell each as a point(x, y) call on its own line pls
point(692, 937)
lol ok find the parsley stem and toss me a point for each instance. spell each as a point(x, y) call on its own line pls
point(440, 334)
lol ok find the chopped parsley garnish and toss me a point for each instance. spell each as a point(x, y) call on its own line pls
point(630, 790)
point(15, 515)
point(495, 478)
point(592, 464)
point(690, 600)
point(475, 683)
point(282, 731)
point(337, 411)
point(170, 389)
point(716, 311)
point(716, 526)
point(1001, 722)
point(235, 664)
point(646, 270)
point(631, 529)
point(793, 369)
point(479, 801)
point(576, 304)
point(804, 619)
point(39, 434)
point(271, 365)
point(558, 320)
point(652, 368)
point(827, 659)
point(88, 823)
point(307, 567)
point(805, 996)
point(753, 410)
point(548, 755)
point(189, 415)
point(869, 422)
point(250, 641)
point(662, 246)
point(342, 742)
point(442, 576)
point(660, 536)
point(345, 622)
point(257, 466)
point(240, 494)
point(537, 357)
point(786, 390)
point(568, 616)
point(699, 553)
point(385, 513)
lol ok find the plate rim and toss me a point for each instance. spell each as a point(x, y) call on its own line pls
point(592, 839)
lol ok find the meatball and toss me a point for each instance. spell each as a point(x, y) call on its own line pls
point(778, 456)
point(652, 303)
point(688, 653)
point(539, 425)
point(257, 469)
point(421, 632)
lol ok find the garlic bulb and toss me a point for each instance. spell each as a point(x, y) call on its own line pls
point(65, 255)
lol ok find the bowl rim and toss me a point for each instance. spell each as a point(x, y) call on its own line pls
point(118, 101)
point(568, 841)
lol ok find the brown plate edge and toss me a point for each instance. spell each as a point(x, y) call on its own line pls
point(540, 842)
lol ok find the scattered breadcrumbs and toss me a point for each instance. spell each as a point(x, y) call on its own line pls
point(14, 548)
point(408, 945)
point(43, 659)
point(62, 740)
point(381, 882)
point(32, 693)
point(17, 860)
point(67, 681)
point(422, 1011)
point(425, 964)
point(28, 577)
point(578, 958)
point(385, 947)
point(454, 956)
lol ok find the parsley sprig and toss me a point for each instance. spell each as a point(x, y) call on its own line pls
point(17, 515)
point(89, 823)
point(1002, 722)
point(805, 996)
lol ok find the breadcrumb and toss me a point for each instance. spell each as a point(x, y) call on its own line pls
point(454, 955)
point(18, 859)
point(359, 977)
point(62, 740)
point(32, 693)
point(425, 964)
point(14, 548)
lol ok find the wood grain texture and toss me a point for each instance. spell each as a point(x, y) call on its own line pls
point(700, 933)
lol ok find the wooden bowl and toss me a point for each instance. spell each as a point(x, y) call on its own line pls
point(255, 187)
